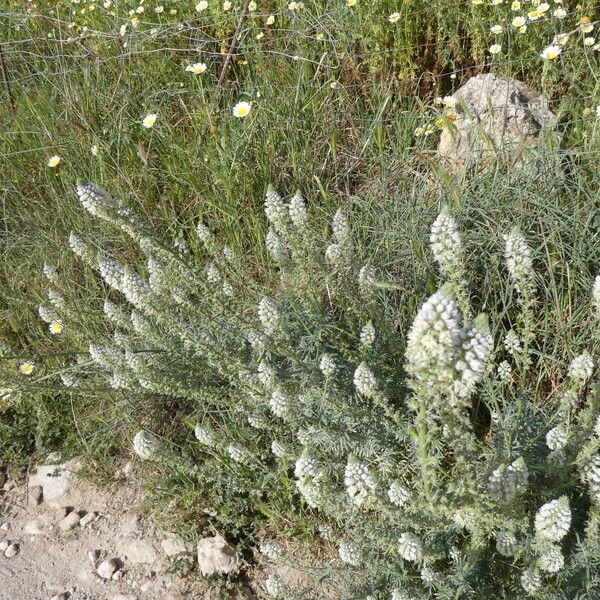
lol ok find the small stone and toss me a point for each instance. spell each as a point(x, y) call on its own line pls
point(131, 526)
point(4, 544)
point(150, 586)
point(94, 555)
point(35, 527)
point(62, 596)
point(215, 555)
point(138, 551)
point(69, 521)
point(107, 568)
point(9, 485)
point(12, 551)
point(88, 518)
point(36, 495)
point(173, 545)
point(5, 526)
point(56, 481)
point(118, 575)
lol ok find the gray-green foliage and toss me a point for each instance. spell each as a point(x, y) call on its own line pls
point(430, 456)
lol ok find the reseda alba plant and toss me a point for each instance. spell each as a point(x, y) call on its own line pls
point(438, 475)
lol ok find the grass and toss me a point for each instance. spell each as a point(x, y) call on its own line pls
point(334, 117)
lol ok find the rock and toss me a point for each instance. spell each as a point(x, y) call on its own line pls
point(150, 586)
point(35, 527)
point(493, 115)
point(36, 495)
point(215, 555)
point(88, 518)
point(107, 568)
point(173, 545)
point(69, 521)
point(56, 482)
point(12, 550)
point(94, 555)
point(138, 551)
point(4, 544)
point(131, 526)
point(62, 596)
point(5, 527)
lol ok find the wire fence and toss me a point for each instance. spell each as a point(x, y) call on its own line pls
point(197, 37)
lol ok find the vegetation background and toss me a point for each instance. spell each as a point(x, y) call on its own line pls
point(337, 91)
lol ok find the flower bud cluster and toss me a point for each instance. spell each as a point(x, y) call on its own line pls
point(95, 200)
point(507, 481)
point(205, 435)
point(279, 403)
point(367, 335)
point(274, 585)
point(298, 212)
point(144, 444)
point(277, 248)
point(365, 381)
point(445, 241)
point(271, 549)
point(327, 365)
point(519, 263)
point(531, 581)
point(276, 211)
point(556, 438)
point(350, 553)
point(581, 368)
point(398, 494)
point(553, 520)
point(359, 481)
point(506, 543)
point(269, 316)
point(340, 227)
point(82, 249)
point(238, 453)
point(410, 547)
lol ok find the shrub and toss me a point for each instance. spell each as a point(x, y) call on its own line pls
point(432, 456)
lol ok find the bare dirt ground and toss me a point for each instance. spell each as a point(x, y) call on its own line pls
point(62, 538)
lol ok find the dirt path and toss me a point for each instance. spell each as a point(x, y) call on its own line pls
point(61, 538)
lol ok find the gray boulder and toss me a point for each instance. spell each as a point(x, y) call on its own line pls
point(494, 116)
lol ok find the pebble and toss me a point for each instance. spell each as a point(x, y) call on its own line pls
point(12, 551)
point(88, 518)
point(107, 568)
point(35, 527)
point(36, 495)
point(62, 596)
point(4, 544)
point(5, 526)
point(173, 545)
point(131, 526)
point(94, 555)
point(69, 521)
